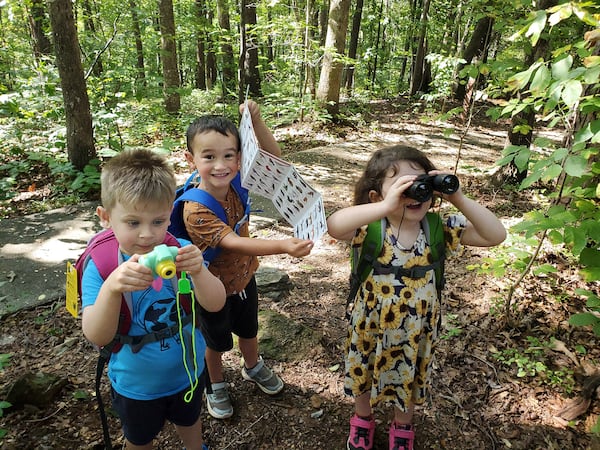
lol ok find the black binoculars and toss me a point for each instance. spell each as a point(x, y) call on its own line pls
point(424, 185)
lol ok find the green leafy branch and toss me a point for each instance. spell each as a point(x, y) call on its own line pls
point(562, 90)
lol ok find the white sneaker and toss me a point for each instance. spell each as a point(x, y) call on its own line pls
point(218, 402)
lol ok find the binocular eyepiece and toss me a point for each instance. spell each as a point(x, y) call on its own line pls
point(424, 185)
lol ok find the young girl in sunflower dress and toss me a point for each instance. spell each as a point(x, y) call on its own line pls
point(395, 320)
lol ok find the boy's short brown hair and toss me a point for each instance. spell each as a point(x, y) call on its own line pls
point(204, 124)
point(137, 177)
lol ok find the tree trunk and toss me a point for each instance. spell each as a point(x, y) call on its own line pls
point(243, 52)
point(373, 67)
point(328, 92)
point(212, 73)
point(139, 49)
point(477, 47)
point(510, 173)
point(80, 138)
point(88, 21)
point(228, 62)
point(169, 57)
point(419, 80)
point(456, 39)
point(313, 69)
point(42, 46)
point(249, 67)
point(201, 33)
point(308, 37)
point(408, 44)
point(353, 46)
point(324, 21)
point(270, 54)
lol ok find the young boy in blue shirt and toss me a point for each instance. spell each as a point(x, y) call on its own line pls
point(149, 384)
point(213, 149)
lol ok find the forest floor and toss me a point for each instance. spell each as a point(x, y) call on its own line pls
point(478, 399)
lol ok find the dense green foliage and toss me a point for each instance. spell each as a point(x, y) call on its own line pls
point(563, 90)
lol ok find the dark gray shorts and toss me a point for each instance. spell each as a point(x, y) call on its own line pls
point(142, 420)
point(239, 316)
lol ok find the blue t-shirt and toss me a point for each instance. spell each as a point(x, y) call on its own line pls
point(157, 370)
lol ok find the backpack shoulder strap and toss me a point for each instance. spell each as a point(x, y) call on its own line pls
point(104, 251)
point(371, 247)
point(242, 192)
point(200, 196)
point(189, 193)
point(363, 257)
point(105, 260)
point(434, 232)
point(177, 226)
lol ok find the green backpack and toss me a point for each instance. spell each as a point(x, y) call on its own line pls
point(364, 258)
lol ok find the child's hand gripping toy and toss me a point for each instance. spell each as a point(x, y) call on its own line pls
point(161, 261)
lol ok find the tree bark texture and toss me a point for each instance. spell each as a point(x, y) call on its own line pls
point(250, 66)
point(420, 79)
point(408, 43)
point(541, 50)
point(477, 47)
point(169, 56)
point(328, 92)
point(89, 25)
point(139, 48)
point(353, 45)
point(212, 72)
point(201, 41)
point(228, 61)
point(42, 46)
point(80, 138)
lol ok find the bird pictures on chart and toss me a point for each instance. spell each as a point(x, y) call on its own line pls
point(280, 182)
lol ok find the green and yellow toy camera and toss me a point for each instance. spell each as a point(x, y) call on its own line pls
point(161, 261)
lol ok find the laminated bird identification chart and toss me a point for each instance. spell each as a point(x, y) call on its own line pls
point(280, 182)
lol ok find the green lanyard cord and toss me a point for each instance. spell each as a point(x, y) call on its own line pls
point(185, 288)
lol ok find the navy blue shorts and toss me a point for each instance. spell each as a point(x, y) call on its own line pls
point(239, 316)
point(142, 420)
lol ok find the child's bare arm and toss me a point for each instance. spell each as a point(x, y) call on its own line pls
point(266, 140)
point(100, 321)
point(483, 228)
point(261, 247)
point(343, 223)
point(208, 289)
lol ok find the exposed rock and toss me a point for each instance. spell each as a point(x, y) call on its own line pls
point(272, 282)
point(37, 389)
point(284, 339)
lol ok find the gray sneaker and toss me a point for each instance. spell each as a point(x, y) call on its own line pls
point(219, 403)
point(266, 380)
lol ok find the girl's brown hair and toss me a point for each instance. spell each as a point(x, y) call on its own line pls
point(381, 162)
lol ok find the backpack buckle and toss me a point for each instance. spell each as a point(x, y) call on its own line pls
point(416, 272)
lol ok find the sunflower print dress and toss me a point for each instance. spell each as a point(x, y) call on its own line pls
point(394, 323)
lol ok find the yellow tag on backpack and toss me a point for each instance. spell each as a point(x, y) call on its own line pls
point(72, 296)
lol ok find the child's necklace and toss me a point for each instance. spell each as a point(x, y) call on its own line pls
point(397, 235)
point(409, 237)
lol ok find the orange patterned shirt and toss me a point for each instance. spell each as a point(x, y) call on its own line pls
point(207, 230)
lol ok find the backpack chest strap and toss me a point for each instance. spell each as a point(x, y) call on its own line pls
point(137, 342)
point(400, 271)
